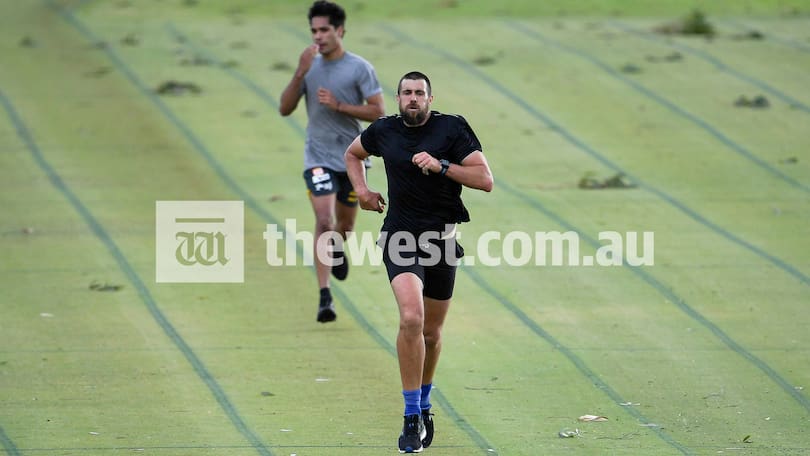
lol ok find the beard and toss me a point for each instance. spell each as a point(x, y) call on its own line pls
point(413, 119)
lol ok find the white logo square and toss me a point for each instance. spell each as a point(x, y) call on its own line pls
point(199, 241)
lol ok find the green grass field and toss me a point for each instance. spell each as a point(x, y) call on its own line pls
point(704, 352)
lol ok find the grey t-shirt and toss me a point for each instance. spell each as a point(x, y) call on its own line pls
point(351, 79)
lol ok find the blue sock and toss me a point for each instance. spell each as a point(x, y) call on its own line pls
point(425, 401)
point(412, 402)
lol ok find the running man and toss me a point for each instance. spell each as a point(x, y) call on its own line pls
point(341, 89)
point(429, 157)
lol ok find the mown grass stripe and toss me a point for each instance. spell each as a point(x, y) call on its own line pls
point(768, 36)
point(580, 365)
point(354, 311)
point(672, 107)
point(716, 62)
point(581, 145)
point(674, 298)
point(133, 277)
point(663, 289)
point(8, 445)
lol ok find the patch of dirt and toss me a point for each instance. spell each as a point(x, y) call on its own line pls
point(695, 23)
point(590, 182)
point(178, 88)
point(758, 102)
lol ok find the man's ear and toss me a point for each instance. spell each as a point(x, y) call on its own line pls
point(341, 31)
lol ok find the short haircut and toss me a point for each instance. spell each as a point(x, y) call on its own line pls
point(335, 13)
point(414, 76)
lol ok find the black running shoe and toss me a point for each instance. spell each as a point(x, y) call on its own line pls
point(410, 441)
point(427, 422)
point(340, 271)
point(326, 311)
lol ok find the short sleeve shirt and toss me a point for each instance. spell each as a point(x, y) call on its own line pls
point(352, 80)
point(419, 202)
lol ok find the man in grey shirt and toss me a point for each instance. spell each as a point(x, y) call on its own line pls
point(340, 89)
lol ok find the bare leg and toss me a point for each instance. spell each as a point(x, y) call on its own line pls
point(435, 313)
point(407, 289)
point(324, 208)
point(345, 215)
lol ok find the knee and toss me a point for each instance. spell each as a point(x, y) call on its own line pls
point(324, 224)
point(411, 323)
point(344, 226)
point(433, 338)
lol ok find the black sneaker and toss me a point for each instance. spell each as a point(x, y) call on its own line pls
point(427, 422)
point(340, 271)
point(326, 310)
point(410, 441)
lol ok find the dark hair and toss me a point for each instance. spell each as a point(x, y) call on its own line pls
point(414, 76)
point(336, 14)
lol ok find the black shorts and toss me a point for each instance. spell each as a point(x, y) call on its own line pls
point(435, 265)
point(324, 181)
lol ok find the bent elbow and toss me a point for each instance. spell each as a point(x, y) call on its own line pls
point(488, 183)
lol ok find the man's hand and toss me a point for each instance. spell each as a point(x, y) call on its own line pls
point(326, 98)
point(371, 201)
point(426, 163)
point(305, 61)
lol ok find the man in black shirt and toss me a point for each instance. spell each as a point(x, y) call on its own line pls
point(428, 157)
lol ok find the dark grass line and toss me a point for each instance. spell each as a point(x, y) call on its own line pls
point(348, 303)
point(581, 145)
point(569, 354)
point(649, 279)
point(792, 43)
point(182, 39)
point(717, 63)
point(678, 301)
point(8, 445)
point(143, 292)
point(673, 107)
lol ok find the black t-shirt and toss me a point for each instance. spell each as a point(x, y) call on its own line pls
point(418, 202)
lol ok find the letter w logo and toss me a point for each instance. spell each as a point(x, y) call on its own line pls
point(201, 248)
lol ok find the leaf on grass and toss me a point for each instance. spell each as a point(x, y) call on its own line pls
point(568, 433)
point(747, 439)
point(592, 418)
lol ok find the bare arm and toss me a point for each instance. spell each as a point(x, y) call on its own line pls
point(373, 109)
point(292, 93)
point(369, 200)
point(473, 171)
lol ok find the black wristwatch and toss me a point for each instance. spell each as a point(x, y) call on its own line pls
point(445, 166)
